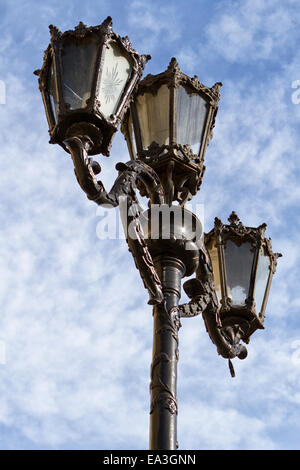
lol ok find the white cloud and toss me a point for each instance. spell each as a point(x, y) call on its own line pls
point(254, 30)
point(187, 59)
point(153, 23)
point(223, 428)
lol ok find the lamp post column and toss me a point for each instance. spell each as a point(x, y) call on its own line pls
point(163, 386)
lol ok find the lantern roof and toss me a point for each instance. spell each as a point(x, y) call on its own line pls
point(239, 233)
point(104, 31)
point(173, 76)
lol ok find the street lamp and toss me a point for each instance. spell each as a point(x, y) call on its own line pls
point(90, 84)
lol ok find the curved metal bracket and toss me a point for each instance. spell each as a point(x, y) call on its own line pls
point(133, 176)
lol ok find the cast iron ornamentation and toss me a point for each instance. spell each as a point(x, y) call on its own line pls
point(132, 176)
point(161, 393)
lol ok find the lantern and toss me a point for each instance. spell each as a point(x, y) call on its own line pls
point(86, 82)
point(243, 266)
point(169, 126)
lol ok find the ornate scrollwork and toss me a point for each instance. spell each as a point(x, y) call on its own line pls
point(161, 393)
point(164, 398)
point(255, 235)
point(239, 231)
point(133, 175)
point(81, 30)
point(55, 33)
point(174, 77)
point(180, 170)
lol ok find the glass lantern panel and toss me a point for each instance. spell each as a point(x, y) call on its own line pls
point(153, 116)
point(52, 92)
point(191, 118)
point(115, 74)
point(238, 260)
point(78, 63)
point(213, 252)
point(262, 276)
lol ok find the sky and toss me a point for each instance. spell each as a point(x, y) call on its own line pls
point(75, 327)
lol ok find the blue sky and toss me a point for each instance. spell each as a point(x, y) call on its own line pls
point(75, 326)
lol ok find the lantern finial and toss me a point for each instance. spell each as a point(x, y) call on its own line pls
point(234, 219)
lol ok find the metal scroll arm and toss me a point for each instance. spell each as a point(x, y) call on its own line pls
point(133, 176)
point(202, 293)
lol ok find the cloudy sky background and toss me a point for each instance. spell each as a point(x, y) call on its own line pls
point(75, 327)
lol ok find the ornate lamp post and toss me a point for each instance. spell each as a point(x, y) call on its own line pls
point(89, 84)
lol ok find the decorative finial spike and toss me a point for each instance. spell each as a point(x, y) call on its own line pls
point(106, 25)
point(218, 222)
point(173, 65)
point(262, 228)
point(80, 25)
point(107, 22)
point(54, 31)
point(143, 60)
point(216, 87)
point(233, 219)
